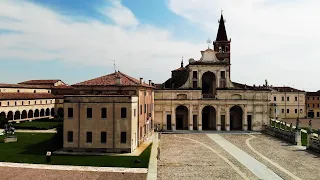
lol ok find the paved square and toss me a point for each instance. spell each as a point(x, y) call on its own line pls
point(198, 156)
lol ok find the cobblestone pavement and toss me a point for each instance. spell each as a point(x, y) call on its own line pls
point(300, 163)
point(11, 173)
point(196, 156)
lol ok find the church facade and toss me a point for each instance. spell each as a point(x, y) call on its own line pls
point(201, 95)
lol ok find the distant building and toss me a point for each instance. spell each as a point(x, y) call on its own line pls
point(112, 113)
point(313, 104)
point(44, 82)
point(19, 102)
point(287, 102)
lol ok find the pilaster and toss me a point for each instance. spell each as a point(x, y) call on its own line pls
point(200, 118)
point(227, 118)
point(218, 78)
point(173, 118)
point(218, 118)
point(190, 117)
point(244, 119)
point(164, 118)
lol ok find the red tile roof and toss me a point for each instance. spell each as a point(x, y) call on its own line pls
point(179, 69)
point(26, 96)
point(24, 86)
point(286, 89)
point(111, 80)
point(40, 81)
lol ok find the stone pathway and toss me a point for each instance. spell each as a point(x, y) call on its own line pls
point(259, 169)
point(74, 168)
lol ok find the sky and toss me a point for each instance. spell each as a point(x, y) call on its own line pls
point(77, 40)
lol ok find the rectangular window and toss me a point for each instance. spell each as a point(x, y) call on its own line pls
point(70, 112)
point(295, 98)
point(89, 137)
point(70, 136)
point(123, 137)
point(308, 98)
point(282, 98)
point(89, 112)
point(8, 103)
point(288, 99)
point(145, 108)
point(312, 105)
point(318, 114)
point(29, 102)
point(308, 105)
point(140, 109)
point(123, 112)
point(34, 91)
point(312, 98)
point(317, 98)
point(103, 113)
point(288, 111)
point(0, 103)
point(195, 74)
point(275, 98)
point(35, 102)
point(296, 111)
point(300, 110)
point(18, 91)
point(21, 102)
point(282, 110)
point(103, 138)
point(318, 105)
point(195, 84)
point(223, 74)
point(134, 112)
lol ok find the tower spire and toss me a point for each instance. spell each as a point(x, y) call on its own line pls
point(222, 33)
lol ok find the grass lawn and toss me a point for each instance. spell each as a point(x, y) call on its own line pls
point(37, 125)
point(32, 147)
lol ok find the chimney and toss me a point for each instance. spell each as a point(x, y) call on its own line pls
point(149, 82)
point(141, 80)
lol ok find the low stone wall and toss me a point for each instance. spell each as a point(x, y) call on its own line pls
point(289, 135)
point(313, 144)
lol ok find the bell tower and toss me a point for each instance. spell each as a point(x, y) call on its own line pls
point(222, 43)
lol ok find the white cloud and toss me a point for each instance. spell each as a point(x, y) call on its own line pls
point(142, 50)
point(270, 40)
point(120, 14)
point(274, 40)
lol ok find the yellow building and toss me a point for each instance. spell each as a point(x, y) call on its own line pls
point(112, 113)
point(287, 103)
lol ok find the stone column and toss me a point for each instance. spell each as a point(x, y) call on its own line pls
point(227, 120)
point(245, 120)
point(173, 118)
point(218, 118)
point(164, 119)
point(200, 118)
point(190, 117)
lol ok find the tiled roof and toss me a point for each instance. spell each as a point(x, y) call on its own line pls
point(62, 87)
point(24, 86)
point(40, 81)
point(111, 80)
point(26, 96)
point(286, 89)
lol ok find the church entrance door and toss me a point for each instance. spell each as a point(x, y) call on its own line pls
point(182, 118)
point(169, 122)
point(236, 118)
point(249, 122)
point(208, 118)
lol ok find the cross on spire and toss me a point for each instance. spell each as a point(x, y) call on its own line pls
point(209, 42)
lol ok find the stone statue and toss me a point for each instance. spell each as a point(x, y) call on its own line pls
point(266, 83)
point(297, 124)
point(8, 129)
point(290, 126)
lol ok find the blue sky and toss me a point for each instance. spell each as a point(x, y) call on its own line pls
point(76, 40)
